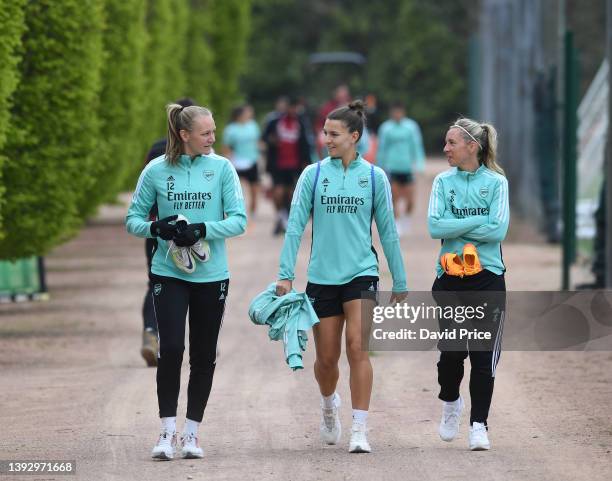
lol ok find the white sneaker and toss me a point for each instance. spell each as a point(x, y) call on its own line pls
point(359, 441)
point(191, 447)
point(451, 417)
point(330, 422)
point(165, 447)
point(200, 250)
point(182, 257)
point(479, 439)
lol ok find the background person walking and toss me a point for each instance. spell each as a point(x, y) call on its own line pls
point(401, 154)
point(241, 146)
point(468, 210)
point(344, 193)
point(288, 152)
point(189, 269)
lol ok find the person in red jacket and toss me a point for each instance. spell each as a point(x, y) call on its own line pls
point(288, 153)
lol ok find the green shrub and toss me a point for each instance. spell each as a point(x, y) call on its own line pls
point(52, 137)
point(228, 35)
point(199, 58)
point(122, 99)
point(12, 21)
point(166, 47)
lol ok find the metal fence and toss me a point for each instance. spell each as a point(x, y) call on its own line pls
point(592, 128)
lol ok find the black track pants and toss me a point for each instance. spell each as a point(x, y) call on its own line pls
point(206, 303)
point(483, 361)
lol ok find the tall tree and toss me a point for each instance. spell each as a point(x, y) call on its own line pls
point(415, 52)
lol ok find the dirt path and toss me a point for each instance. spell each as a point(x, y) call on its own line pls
point(73, 385)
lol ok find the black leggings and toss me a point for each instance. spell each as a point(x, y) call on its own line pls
point(206, 303)
point(483, 361)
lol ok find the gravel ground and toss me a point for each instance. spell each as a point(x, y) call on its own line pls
point(73, 385)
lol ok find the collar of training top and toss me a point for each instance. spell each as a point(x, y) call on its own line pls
point(467, 173)
point(186, 159)
point(337, 161)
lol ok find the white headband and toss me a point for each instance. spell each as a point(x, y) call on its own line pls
point(473, 138)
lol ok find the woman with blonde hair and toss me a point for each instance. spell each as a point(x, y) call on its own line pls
point(200, 204)
point(468, 211)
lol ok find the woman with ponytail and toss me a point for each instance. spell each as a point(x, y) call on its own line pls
point(469, 212)
point(200, 204)
point(344, 193)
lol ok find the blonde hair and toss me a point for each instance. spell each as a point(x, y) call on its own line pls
point(485, 136)
point(180, 118)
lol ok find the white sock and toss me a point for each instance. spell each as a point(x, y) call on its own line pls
point(360, 416)
point(328, 401)
point(191, 427)
point(169, 424)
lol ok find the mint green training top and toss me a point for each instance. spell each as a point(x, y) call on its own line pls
point(470, 207)
point(205, 189)
point(400, 147)
point(243, 139)
point(342, 216)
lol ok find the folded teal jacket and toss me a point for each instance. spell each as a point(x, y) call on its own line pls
point(289, 317)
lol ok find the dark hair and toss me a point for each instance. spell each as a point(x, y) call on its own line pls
point(236, 113)
point(293, 100)
point(180, 118)
point(397, 104)
point(352, 115)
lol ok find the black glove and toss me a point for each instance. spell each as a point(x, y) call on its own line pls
point(163, 228)
point(190, 235)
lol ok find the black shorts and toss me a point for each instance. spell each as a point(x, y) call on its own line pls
point(287, 178)
point(327, 300)
point(402, 179)
point(251, 174)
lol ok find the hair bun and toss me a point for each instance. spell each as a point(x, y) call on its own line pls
point(358, 106)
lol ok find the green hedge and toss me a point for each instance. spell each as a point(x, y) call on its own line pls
point(94, 78)
point(12, 21)
point(199, 58)
point(165, 51)
point(122, 99)
point(228, 34)
point(53, 132)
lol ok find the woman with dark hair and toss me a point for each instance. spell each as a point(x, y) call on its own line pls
point(200, 204)
point(344, 193)
point(401, 154)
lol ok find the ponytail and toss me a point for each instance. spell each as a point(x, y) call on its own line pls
point(489, 148)
point(180, 118)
